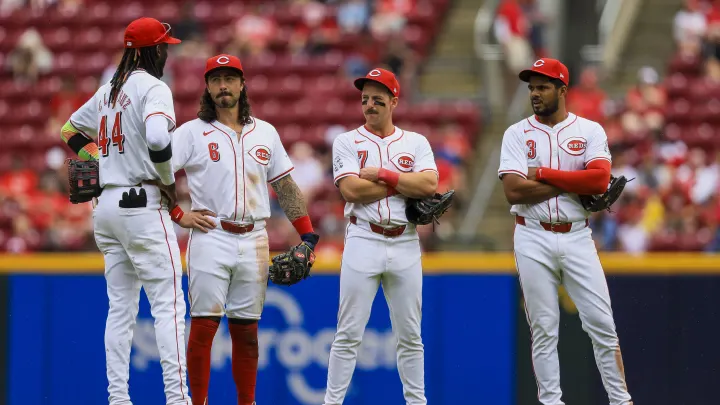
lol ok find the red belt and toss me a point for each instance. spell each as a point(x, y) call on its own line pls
point(392, 232)
point(557, 227)
point(235, 228)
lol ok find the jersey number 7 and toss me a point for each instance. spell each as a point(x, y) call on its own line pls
point(118, 139)
point(363, 156)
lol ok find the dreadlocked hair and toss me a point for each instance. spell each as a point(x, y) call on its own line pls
point(132, 59)
point(208, 111)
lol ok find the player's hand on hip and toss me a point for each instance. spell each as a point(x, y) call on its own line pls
point(369, 173)
point(199, 220)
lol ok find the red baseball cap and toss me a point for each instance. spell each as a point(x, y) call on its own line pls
point(382, 76)
point(551, 68)
point(223, 61)
point(148, 31)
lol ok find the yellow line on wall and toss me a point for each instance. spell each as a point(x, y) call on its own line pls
point(433, 263)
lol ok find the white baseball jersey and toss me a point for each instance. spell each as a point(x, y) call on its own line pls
point(228, 172)
point(120, 130)
point(402, 151)
point(570, 145)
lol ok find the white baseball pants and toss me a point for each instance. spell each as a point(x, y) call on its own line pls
point(370, 259)
point(141, 250)
point(544, 260)
point(228, 273)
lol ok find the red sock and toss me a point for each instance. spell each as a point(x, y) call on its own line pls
point(202, 332)
point(244, 360)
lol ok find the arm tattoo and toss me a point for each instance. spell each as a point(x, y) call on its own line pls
point(290, 198)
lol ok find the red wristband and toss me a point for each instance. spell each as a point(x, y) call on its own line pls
point(538, 174)
point(391, 191)
point(389, 177)
point(303, 225)
point(176, 214)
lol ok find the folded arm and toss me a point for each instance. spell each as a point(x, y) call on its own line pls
point(413, 185)
point(359, 191)
point(82, 145)
point(519, 190)
point(593, 180)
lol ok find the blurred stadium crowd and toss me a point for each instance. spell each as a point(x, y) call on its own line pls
point(300, 56)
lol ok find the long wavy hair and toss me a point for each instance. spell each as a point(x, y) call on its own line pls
point(208, 109)
point(133, 59)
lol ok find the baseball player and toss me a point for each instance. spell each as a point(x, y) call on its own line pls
point(230, 157)
point(377, 167)
point(547, 160)
point(132, 118)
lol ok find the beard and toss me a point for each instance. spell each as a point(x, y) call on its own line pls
point(226, 102)
point(547, 109)
point(161, 66)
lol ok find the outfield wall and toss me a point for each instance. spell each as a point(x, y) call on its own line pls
point(474, 329)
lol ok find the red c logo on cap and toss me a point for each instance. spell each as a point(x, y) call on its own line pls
point(223, 60)
point(375, 73)
point(539, 63)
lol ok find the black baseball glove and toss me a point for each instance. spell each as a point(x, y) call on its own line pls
point(294, 265)
point(84, 178)
point(427, 210)
point(599, 202)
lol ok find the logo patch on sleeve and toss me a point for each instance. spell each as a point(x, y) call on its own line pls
point(403, 161)
point(574, 146)
point(261, 154)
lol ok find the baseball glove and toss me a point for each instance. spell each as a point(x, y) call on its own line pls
point(599, 202)
point(292, 266)
point(427, 210)
point(84, 178)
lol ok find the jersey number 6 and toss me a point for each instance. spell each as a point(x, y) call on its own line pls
point(533, 150)
point(118, 139)
point(213, 149)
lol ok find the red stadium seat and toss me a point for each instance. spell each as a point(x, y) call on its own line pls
point(677, 85)
point(678, 111)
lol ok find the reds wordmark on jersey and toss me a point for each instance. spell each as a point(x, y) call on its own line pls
point(120, 130)
point(570, 145)
point(228, 172)
point(402, 151)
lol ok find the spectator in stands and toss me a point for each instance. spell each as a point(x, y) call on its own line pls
point(24, 238)
point(20, 180)
point(109, 71)
point(309, 172)
point(587, 99)
point(30, 58)
point(537, 20)
point(512, 29)
point(645, 107)
point(317, 32)
point(390, 17)
point(253, 32)
point(67, 100)
point(699, 178)
point(353, 16)
point(690, 23)
point(399, 58)
point(188, 26)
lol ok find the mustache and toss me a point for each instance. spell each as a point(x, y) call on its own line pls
point(224, 93)
point(371, 111)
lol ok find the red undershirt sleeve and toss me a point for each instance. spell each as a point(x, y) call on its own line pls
point(593, 180)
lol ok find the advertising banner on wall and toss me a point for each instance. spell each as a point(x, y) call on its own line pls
point(57, 352)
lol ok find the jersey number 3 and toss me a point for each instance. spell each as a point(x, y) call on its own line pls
point(118, 139)
point(533, 150)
